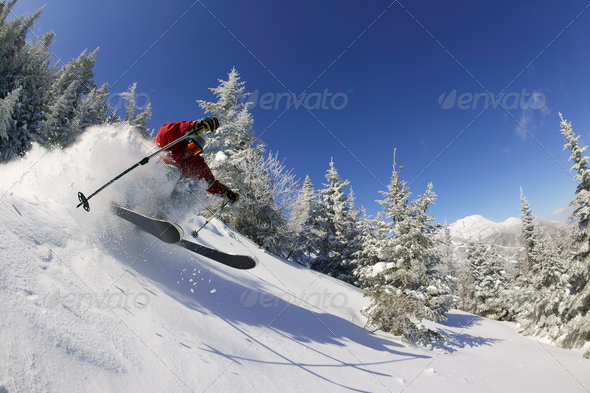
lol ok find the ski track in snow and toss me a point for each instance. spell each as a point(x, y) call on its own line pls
point(89, 303)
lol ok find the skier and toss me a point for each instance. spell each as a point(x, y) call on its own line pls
point(186, 155)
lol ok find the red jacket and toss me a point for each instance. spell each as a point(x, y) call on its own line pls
point(193, 167)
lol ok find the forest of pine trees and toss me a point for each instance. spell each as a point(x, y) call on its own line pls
point(548, 292)
point(43, 100)
point(403, 259)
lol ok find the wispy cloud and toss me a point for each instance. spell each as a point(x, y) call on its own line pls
point(526, 121)
point(563, 213)
point(527, 117)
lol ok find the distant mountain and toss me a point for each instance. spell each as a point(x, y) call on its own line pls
point(505, 236)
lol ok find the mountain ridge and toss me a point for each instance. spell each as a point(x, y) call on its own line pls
point(506, 236)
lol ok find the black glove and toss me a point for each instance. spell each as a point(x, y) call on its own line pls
point(206, 124)
point(231, 196)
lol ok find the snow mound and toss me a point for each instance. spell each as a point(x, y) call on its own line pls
point(220, 156)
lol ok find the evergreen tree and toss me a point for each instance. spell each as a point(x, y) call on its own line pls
point(113, 118)
point(59, 123)
point(41, 103)
point(528, 232)
point(487, 282)
point(71, 85)
point(337, 240)
point(540, 293)
point(372, 235)
point(235, 132)
point(447, 267)
point(25, 66)
point(306, 224)
point(233, 145)
point(576, 309)
point(548, 289)
point(267, 195)
point(447, 251)
point(137, 121)
point(351, 230)
point(6, 108)
point(238, 159)
point(472, 275)
point(305, 205)
point(405, 284)
point(490, 287)
point(518, 295)
point(466, 284)
point(92, 110)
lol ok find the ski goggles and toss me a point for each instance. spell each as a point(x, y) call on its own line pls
point(194, 148)
point(197, 143)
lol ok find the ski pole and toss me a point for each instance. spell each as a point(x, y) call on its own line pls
point(84, 200)
point(195, 234)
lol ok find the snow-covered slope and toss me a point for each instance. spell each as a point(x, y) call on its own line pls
point(90, 304)
point(506, 236)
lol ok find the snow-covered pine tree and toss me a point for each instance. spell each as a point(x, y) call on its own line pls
point(448, 254)
point(305, 205)
point(406, 286)
point(576, 310)
point(237, 159)
point(53, 106)
point(337, 241)
point(466, 282)
point(92, 110)
point(528, 232)
point(267, 194)
point(60, 129)
point(372, 234)
point(485, 284)
point(137, 121)
point(112, 117)
point(518, 293)
point(6, 108)
point(471, 275)
point(24, 65)
point(305, 224)
point(234, 140)
point(488, 291)
point(71, 84)
point(448, 267)
point(352, 233)
point(235, 121)
point(548, 290)
point(426, 258)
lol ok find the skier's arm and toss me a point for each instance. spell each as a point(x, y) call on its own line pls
point(197, 168)
point(170, 132)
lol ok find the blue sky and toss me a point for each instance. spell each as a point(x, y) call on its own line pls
point(392, 61)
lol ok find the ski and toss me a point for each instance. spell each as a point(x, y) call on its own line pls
point(236, 261)
point(171, 233)
point(166, 231)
